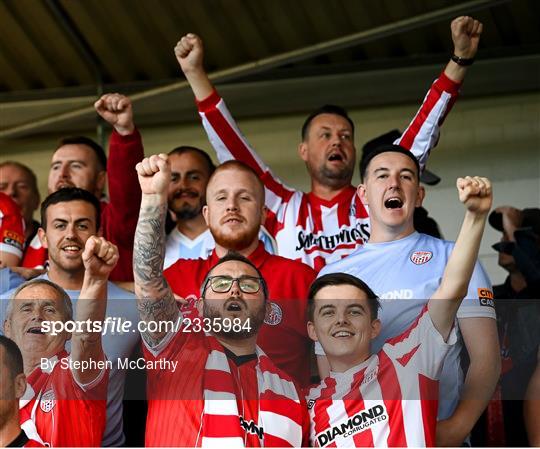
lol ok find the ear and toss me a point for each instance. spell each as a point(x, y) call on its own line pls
point(362, 194)
point(375, 328)
point(199, 306)
point(20, 385)
point(303, 151)
point(205, 214)
point(311, 331)
point(420, 196)
point(7, 329)
point(100, 183)
point(42, 237)
point(264, 213)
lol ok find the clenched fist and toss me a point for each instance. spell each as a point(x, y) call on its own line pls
point(189, 53)
point(475, 192)
point(116, 109)
point(154, 174)
point(99, 257)
point(466, 33)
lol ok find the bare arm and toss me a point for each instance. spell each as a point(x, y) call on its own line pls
point(189, 53)
point(99, 258)
point(155, 300)
point(466, 35)
point(531, 407)
point(476, 194)
point(482, 344)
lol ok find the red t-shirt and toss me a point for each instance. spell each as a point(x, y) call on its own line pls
point(68, 414)
point(11, 226)
point(284, 336)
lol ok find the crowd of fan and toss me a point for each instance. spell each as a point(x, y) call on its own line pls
point(351, 305)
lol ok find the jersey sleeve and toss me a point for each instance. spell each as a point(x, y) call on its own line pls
point(229, 143)
point(11, 227)
point(422, 134)
point(479, 302)
point(120, 214)
point(421, 348)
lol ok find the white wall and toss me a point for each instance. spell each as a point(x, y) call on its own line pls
point(494, 137)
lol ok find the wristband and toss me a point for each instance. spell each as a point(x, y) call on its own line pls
point(462, 61)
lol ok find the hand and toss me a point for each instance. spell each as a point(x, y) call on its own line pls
point(511, 219)
point(475, 192)
point(99, 257)
point(154, 174)
point(116, 109)
point(190, 53)
point(466, 35)
point(180, 300)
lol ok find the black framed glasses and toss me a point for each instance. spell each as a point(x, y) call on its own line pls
point(223, 283)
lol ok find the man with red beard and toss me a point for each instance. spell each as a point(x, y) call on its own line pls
point(234, 213)
point(191, 169)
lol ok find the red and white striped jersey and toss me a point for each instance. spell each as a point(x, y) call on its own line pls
point(306, 227)
point(11, 226)
point(388, 400)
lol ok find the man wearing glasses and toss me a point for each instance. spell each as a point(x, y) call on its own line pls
point(225, 391)
point(234, 213)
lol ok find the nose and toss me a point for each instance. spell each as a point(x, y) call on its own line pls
point(235, 288)
point(64, 171)
point(232, 204)
point(341, 317)
point(11, 191)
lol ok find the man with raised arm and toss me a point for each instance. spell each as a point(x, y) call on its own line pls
point(329, 222)
point(65, 402)
point(80, 162)
point(389, 398)
point(208, 383)
point(234, 212)
point(405, 268)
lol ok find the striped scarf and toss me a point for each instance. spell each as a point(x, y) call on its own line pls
point(28, 404)
point(280, 408)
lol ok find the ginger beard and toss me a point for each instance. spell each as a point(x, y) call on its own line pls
point(234, 240)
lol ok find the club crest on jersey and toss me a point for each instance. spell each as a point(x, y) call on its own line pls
point(47, 401)
point(421, 257)
point(274, 317)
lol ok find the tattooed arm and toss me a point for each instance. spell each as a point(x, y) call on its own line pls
point(155, 300)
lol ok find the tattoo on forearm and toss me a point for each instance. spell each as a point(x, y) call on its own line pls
point(154, 297)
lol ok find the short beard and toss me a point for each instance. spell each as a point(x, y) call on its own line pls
point(236, 242)
point(187, 212)
point(254, 320)
point(334, 178)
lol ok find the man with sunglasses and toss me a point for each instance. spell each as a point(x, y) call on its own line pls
point(234, 212)
point(225, 391)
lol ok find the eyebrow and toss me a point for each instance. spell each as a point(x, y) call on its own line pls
point(53, 163)
point(236, 192)
point(387, 169)
point(326, 306)
point(32, 302)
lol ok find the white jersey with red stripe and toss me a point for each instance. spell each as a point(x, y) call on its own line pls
point(306, 227)
point(388, 400)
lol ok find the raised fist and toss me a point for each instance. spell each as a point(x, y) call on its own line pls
point(116, 110)
point(475, 192)
point(466, 35)
point(189, 53)
point(99, 257)
point(154, 174)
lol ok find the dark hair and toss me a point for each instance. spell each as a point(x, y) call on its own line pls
point(94, 146)
point(234, 256)
point(27, 170)
point(326, 109)
point(14, 359)
point(342, 279)
point(366, 159)
point(203, 154)
point(70, 194)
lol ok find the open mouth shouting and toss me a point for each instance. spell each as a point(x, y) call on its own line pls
point(393, 203)
point(234, 305)
point(336, 156)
